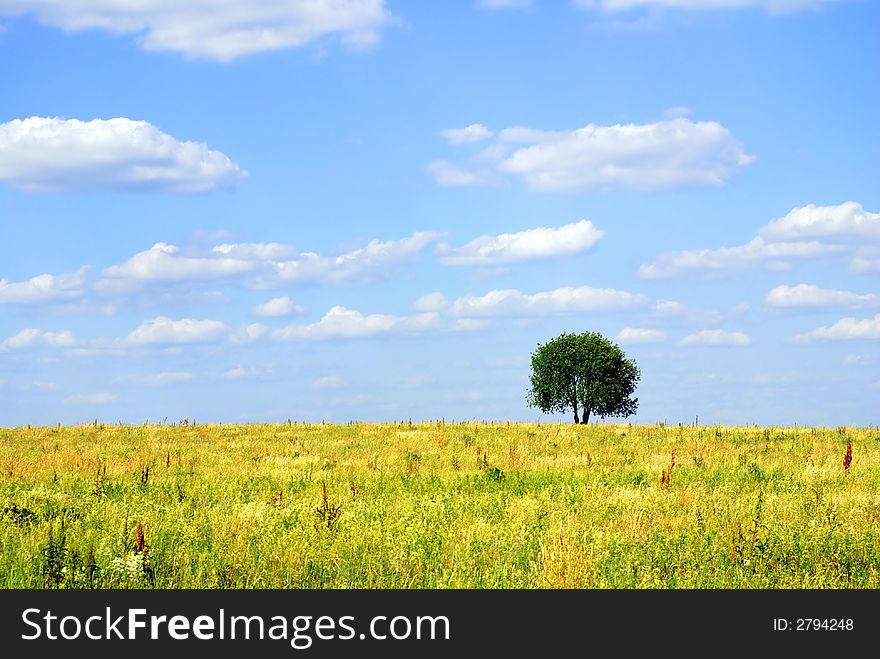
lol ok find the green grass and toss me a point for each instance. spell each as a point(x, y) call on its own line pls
point(439, 506)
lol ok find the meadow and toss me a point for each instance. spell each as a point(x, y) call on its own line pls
point(439, 505)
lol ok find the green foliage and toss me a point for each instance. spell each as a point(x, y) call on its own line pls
point(585, 373)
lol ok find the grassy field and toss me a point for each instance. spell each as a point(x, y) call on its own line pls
point(439, 506)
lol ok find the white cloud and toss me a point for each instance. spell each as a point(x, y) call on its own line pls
point(771, 6)
point(636, 335)
point(342, 323)
point(43, 288)
point(844, 222)
point(468, 134)
point(162, 264)
point(512, 302)
point(328, 382)
point(757, 252)
point(855, 360)
point(254, 251)
point(249, 334)
point(431, 302)
point(36, 338)
point(807, 295)
point(807, 232)
point(529, 245)
point(90, 399)
point(49, 153)
point(716, 338)
point(163, 330)
point(277, 307)
point(666, 154)
point(374, 259)
point(844, 329)
point(216, 29)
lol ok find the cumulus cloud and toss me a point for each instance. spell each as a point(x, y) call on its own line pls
point(163, 330)
point(268, 263)
point(249, 334)
point(254, 251)
point(342, 323)
point(771, 6)
point(844, 222)
point(466, 135)
point(717, 338)
point(637, 335)
point(666, 154)
point(757, 252)
point(803, 233)
point(672, 153)
point(512, 302)
point(43, 288)
point(807, 295)
point(435, 301)
point(260, 265)
point(90, 399)
point(49, 153)
point(277, 307)
point(162, 263)
point(361, 263)
point(216, 29)
point(37, 338)
point(529, 245)
point(845, 329)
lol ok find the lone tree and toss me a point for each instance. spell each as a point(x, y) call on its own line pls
point(583, 372)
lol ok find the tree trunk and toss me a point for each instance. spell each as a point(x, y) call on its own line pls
point(586, 418)
point(577, 419)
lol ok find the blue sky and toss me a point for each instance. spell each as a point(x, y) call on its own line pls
point(376, 210)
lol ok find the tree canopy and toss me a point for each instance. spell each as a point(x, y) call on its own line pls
point(585, 373)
